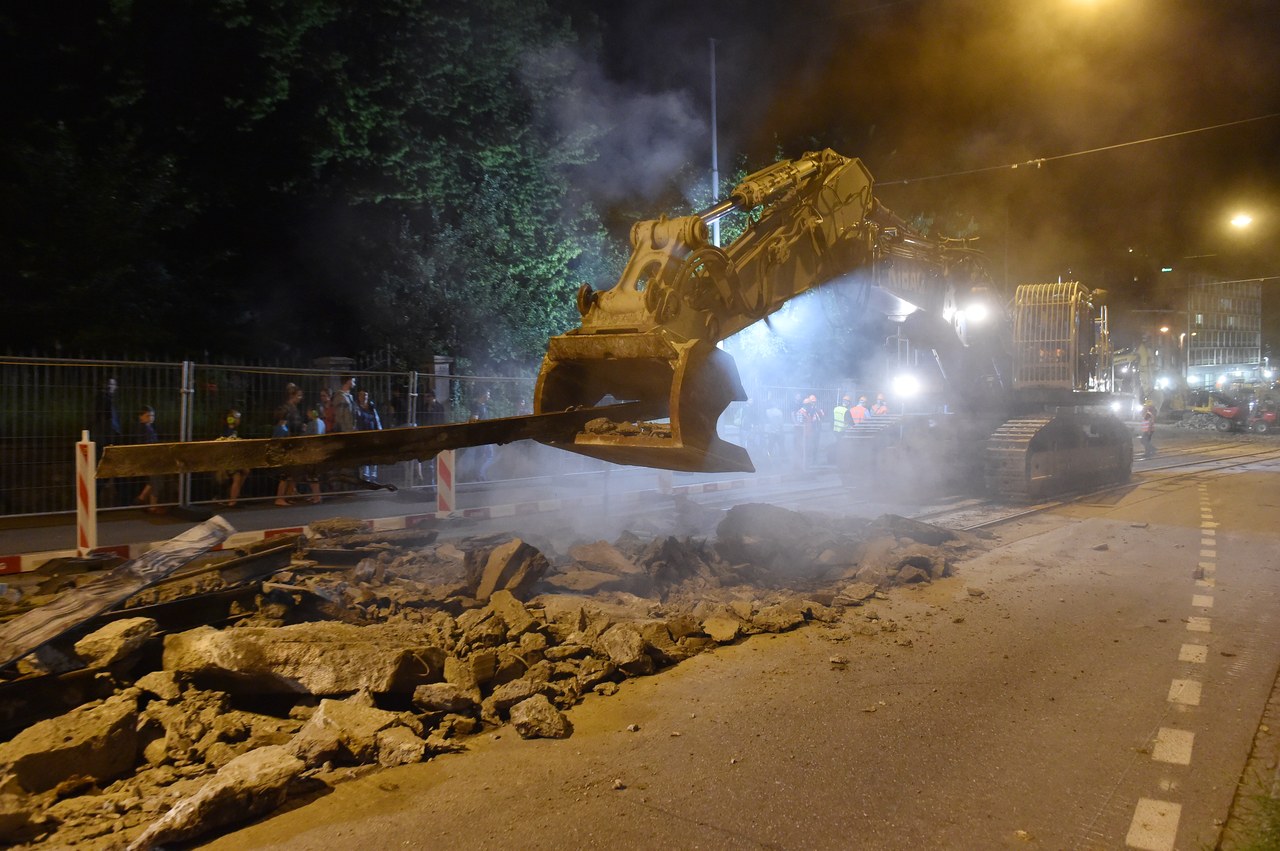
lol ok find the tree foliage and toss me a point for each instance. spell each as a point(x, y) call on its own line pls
point(295, 176)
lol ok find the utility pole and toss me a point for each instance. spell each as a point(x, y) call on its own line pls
point(715, 153)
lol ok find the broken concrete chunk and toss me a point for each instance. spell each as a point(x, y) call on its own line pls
point(722, 628)
point(446, 697)
point(625, 647)
point(20, 819)
point(778, 618)
point(536, 718)
point(509, 694)
point(249, 785)
point(354, 728)
point(399, 746)
point(97, 740)
point(514, 566)
point(513, 613)
point(115, 641)
point(314, 658)
point(854, 594)
point(162, 684)
point(757, 532)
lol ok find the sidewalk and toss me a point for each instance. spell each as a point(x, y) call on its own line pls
point(28, 542)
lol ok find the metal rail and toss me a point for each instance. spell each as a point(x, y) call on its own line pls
point(352, 448)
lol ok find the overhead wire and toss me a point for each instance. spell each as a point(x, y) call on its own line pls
point(1039, 161)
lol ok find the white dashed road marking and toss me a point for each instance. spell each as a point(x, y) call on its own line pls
point(1173, 746)
point(1195, 624)
point(1154, 826)
point(1203, 601)
point(1185, 692)
point(1197, 653)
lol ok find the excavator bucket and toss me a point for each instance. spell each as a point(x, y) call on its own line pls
point(691, 383)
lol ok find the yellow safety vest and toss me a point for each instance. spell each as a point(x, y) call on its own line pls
point(839, 423)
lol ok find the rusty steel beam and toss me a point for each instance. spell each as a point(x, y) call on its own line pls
point(352, 448)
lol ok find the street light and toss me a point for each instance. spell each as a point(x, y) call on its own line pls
point(1240, 221)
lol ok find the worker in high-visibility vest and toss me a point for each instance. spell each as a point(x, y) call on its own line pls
point(838, 417)
point(879, 407)
point(858, 413)
point(1148, 429)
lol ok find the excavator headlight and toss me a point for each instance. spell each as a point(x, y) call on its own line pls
point(905, 385)
point(977, 312)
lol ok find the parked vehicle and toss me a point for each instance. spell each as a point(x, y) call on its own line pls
point(1233, 415)
point(1264, 419)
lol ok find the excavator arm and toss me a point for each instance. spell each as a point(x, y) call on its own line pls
point(653, 335)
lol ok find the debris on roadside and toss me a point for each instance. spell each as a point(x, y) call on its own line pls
point(367, 652)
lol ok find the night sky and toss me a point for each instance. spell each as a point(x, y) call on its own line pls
point(920, 88)
point(341, 177)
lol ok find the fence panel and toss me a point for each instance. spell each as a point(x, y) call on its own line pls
point(52, 400)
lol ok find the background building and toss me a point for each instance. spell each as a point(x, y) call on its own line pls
point(1224, 331)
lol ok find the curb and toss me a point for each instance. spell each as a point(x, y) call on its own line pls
point(24, 562)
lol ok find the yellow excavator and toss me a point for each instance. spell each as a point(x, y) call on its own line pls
point(642, 381)
point(1028, 416)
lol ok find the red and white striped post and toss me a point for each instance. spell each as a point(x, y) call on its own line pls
point(445, 501)
point(86, 497)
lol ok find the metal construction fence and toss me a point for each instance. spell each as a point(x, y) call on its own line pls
point(53, 400)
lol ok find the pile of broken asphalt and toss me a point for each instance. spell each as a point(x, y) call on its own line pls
point(382, 650)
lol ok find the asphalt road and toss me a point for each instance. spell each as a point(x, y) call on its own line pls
point(1095, 680)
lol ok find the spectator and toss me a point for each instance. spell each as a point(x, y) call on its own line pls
point(808, 416)
point(366, 413)
point(480, 407)
point(293, 409)
point(432, 410)
point(367, 419)
point(315, 426)
point(146, 433)
point(344, 404)
point(234, 478)
point(288, 484)
point(105, 429)
point(326, 409)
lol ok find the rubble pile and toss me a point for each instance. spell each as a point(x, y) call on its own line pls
point(342, 668)
point(1199, 421)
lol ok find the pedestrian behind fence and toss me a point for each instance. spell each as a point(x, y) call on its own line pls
point(485, 454)
point(432, 410)
point(367, 419)
point(233, 480)
point(287, 485)
point(344, 404)
point(315, 426)
point(153, 489)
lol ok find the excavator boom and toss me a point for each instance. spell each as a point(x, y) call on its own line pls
point(653, 335)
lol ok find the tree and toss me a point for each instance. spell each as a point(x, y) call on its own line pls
point(303, 176)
